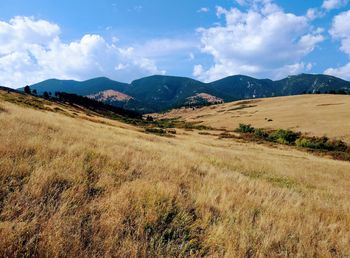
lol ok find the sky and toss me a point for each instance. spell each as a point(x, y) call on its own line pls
point(202, 39)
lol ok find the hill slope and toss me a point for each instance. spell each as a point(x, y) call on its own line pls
point(160, 93)
point(82, 185)
point(84, 88)
point(164, 92)
point(313, 114)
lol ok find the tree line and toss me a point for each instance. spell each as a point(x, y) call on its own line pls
point(94, 105)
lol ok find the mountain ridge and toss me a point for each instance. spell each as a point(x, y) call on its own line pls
point(158, 93)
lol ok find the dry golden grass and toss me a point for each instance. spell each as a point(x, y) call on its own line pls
point(70, 187)
point(316, 115)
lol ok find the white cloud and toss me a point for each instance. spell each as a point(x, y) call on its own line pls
point(341, 31)
point(314, 13)
point(31, 50)
point(203, 10)
point(264, 41)
point(341, 72)
point(334, 4)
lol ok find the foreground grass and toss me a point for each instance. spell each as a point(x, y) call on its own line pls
point(76, 188)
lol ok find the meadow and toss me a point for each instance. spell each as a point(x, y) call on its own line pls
point(73, 184)
point(313, 114)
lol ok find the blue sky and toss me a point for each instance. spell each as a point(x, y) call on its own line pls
point(202, 39)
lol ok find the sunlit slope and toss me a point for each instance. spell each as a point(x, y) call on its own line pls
point(83, 186)
point(313, 114)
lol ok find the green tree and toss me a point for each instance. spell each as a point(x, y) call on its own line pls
point(27, 90)
point(46, 95)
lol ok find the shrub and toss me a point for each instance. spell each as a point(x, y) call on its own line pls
point(306, 143)
point(284, 136)
point(243, 128)
point(337, 145)
point(171, 131)
point(260, 133)
point(322, 143)
point(149, 119)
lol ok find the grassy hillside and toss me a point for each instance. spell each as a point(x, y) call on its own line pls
point(78, 185)
point(312, 114)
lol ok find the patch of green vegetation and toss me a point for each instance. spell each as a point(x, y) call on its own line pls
point(323, 143)
point(243, 128)
point(282, 136)
point(261, 133)
point(336, 148)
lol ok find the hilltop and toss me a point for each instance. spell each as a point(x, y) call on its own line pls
point(160, 93)
point(75, 183)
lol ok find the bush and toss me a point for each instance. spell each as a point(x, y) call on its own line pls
point(284, 136)
point(149, 119)
point(243, 128)
point(171, 131)
point(260, 133)
point(322, 143)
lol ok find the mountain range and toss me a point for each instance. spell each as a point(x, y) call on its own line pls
point(159, 93)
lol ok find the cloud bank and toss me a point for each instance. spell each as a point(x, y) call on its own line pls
point(341, 31)
point(263, 41)
point(31, 50)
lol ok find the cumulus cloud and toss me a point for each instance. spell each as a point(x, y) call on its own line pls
point(31, 50)
point(334, 4)
point(341, 31)
point(263, 41)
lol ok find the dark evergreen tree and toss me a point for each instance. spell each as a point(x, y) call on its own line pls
point(46, 95)
point(27, 90)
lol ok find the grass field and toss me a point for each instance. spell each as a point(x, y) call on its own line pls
point(312, 114)
point(77, 185)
